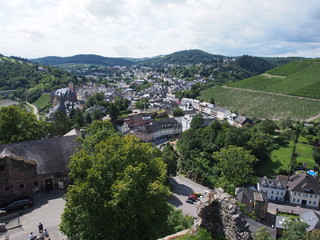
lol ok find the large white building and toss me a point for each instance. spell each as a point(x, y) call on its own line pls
point(274, 188)
point(304, 190)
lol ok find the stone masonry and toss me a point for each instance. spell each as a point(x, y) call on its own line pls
point(218, 213)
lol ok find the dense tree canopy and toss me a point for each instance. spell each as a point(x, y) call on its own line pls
point(17, 125)
point(118, 190)
point(295, 230)
point(236, 166)
point(177, 112)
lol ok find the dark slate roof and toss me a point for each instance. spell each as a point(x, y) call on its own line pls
point(51, 155)
point(246, 195)
point(162, 124)
point(312, 219)
point(304, 183)
point(273, 183)
point(241, 119)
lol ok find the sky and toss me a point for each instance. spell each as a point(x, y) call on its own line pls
point(147, 28)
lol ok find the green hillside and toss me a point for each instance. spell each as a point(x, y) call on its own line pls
point(262, 105)
point(29, 80)
point(299, 78)
point(183, 57)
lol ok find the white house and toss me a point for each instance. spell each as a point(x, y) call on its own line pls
point(304, 190)
point(274, 188)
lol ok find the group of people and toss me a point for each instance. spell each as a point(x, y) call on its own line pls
point(43, 233)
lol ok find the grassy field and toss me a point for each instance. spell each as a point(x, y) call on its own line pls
point(280, 160)
point(42, 101)
point(299, 78)
point(305, 150)
point(262, 105)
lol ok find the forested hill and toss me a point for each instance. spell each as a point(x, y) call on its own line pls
point(183, 57)
point(83, 59)
point(29, 80)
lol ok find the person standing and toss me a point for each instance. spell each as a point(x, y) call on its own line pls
point(40, 226)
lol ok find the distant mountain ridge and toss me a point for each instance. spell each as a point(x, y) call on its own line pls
point(181, 57)
point(83, 59)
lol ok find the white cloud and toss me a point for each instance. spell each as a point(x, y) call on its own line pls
point(134, 28)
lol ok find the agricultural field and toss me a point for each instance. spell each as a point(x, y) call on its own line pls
point(280, 161)
point(305, 150)
point(262, 105)
point(42, 101)
point(290, 68)
point(299, 78)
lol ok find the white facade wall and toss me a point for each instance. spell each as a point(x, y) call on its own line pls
point(307, 199)
point(185, 122)
point(273, 193)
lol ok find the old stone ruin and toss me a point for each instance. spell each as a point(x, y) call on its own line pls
point(219, 213)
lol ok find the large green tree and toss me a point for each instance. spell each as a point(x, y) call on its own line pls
point(197, 121)
point(236, 166)
point(170, 157)
point(17, 125)
point(295, 230)
point(262, 234)
point(118, 191)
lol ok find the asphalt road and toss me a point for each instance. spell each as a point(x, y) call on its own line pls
point(182, 188)
point(47, 209)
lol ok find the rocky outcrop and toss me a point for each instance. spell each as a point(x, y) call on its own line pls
point(218, 213)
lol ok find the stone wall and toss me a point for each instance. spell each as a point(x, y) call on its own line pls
point(218, 213)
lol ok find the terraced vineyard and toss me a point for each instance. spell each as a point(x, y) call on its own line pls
point(299, 78)
point(262, 105)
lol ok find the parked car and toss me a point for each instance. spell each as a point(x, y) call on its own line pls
point(193, 198)
point(19, 204)
point(189, 201)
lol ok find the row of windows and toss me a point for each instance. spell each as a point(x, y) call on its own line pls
point(305, 195)
point(21, 186)
point(277, 193)
point(298, 201)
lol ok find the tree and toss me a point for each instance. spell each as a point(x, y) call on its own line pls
point(17, 125)
point(76, 117)
point(113, 112)
point(170, 157)
point(88, 118)
point(262, 234)
point(142, 103)
point(286, 123)
point(294, 230)
point(61, 123)
point(197, 121)
point(316, 154)
point(178, 112)
point(236, 166)
point(267, 126)
point(314, 235)
point(118, 192)
point(212, 100)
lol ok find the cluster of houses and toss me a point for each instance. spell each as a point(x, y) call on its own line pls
point(300, 189)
